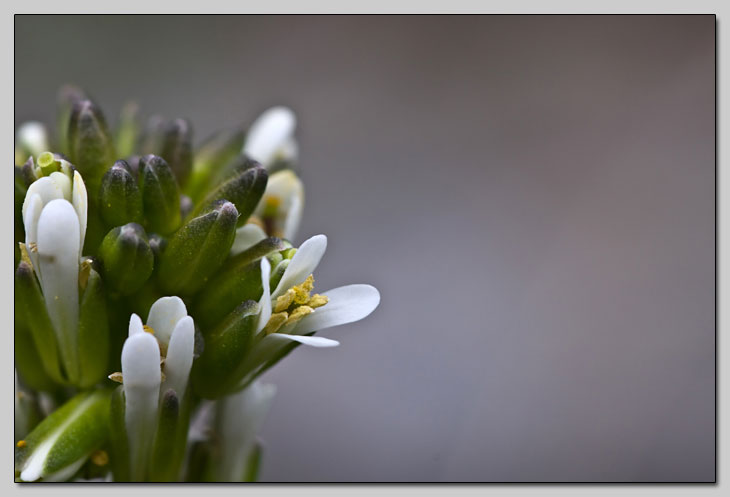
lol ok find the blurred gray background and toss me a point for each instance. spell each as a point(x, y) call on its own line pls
point(533, 196)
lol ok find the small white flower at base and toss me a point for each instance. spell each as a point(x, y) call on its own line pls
point(169, 334)
point(271, 137)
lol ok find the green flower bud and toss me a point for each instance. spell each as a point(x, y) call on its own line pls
point(62, 442)
point(238, 280)
point(217, 371)
point(197, 250)
point(118, 436)
point(127, 131)
point(90, 146)
point(177, 148)
point(27, 361)
point(160, 195)
point(170, 439)
point(68, 96)
point(93, 329)
point(120, 200)
point(211, 161)
point(153, 136)
point(126, 258)
point(244, 190)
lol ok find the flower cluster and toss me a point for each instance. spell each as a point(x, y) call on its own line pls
point(155, 282)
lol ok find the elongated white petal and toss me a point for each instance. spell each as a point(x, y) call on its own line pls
point(240, 418)
point(33, 137)
point(164, 315)
point(46, 188)
point(265, 301)
point(63, 183)
point(32, 208)
point(269, 133)
point(293, 217)
point(302, 264)
point(346, 304)
point(320, 342)
point(141, 376)
point(80, 202)
point(179, 358)
point(135, 325)
point(247, 236)
point(58, 260)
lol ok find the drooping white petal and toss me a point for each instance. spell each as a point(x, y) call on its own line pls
point(32, 208)
point(80, 202)
point(141, 377)
point(135, 325)
point(320, 342)
point(58, 260)
point(239, 418)
point(247, 236)
point(179, 358)
point(164, 315)
point(269, 133)
point(33, 137)
point(346, 304)
point(302, 264)
point(265, 301)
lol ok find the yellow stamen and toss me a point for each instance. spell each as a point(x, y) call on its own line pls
point(271, 205)
point(298, 314)
point(276, 321)
point(84, 273)
point(21, 444)
point(116, 377)
point(148, 329)
point(100, 458)
point(317, 300)
point(284, 301)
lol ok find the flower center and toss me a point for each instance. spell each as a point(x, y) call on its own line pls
point(291, 307)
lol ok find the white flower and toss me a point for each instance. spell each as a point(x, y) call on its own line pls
point(281, 206)
point(239, 418)
point(247, 236)
point(271, 137)
point(342, 305)
point(54, 215)
point(170, 333)
point(32, 138)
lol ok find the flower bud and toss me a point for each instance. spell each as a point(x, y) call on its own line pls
point(90, 146)
point(120, 200)
point(160, 195)
point(68, 96)
point(216, 372)
point(62, 442)
point(170, 439)
point(238, 280)
point(127, 130)
point(93, 329)
point(211, 161)
point(126, 258)
point(31, 139)
point(177, 148)
point(244, 190)
point(197, 250)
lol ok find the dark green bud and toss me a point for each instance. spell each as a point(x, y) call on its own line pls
point(177, 148)
point(169, 446)
point(126, 258)
point(239, 279)
point(243, 189)
point(197, 250)
point(90, 146)
point(118, 436)
point(120, 200)
point(216, 372)
point(160, 195)
point(128, 130)
point(211, 160)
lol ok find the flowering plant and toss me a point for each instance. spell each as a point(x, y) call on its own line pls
point(154, 284)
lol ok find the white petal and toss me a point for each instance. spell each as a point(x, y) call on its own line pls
point(46, 188)
point(289, 150)
point(265, 301)
point(247, 236)
point(33, 137)
point(269, 133)
point(293, 217)
point(63, 183)
point(58, 260)
point(319, 342)
point(135, 325)
point(164, 315)
point(141, 377)
point(80, 202)
point(32, 208)
point(302, 264)
point(179, 358)
point(346, 304)
point(240, 418)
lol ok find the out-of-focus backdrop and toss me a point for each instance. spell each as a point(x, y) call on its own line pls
point(534, 196)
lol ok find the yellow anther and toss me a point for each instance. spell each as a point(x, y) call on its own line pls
point(21, 444)
point(271, 205)
point(317, 300)
point(284, 301)
point(100, 458)
point(33, 247)
point(276, 321)
point(299, 313)
point(148, 329)
point(84, 273)
point(116, 377)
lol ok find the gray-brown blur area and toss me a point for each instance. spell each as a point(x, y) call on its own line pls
point(533, 196)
